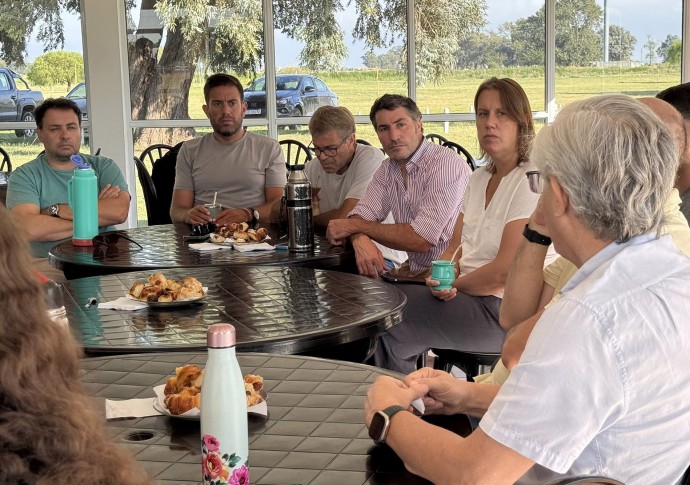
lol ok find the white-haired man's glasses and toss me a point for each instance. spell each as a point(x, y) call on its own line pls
point(536, 183)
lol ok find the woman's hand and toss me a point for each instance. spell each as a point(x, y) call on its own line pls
point(443, 295)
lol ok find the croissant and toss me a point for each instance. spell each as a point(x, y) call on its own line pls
point(136, 289)
point(183, 401)
point(257, 382)
point(186, 376)
point(157, 279)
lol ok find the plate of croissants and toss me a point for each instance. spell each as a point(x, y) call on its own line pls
point(180, 397)
point(239, 233)
point(159, 291)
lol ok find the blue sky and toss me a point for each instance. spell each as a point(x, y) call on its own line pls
point(641, 17)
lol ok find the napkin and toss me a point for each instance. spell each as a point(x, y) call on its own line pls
point(130, 408)
point(122, 303)
point(262, 246)
point(207, 246)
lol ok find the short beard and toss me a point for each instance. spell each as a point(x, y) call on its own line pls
point(227, 132)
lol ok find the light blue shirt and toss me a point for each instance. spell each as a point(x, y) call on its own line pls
point(603, 384)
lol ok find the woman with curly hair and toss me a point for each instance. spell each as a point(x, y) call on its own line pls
point(49, 429)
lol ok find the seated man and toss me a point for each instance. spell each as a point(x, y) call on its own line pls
point(679, 97)
point(343, 170)
point(37, 191)
point(245, 170)
point(587, 396)
point(421, 183)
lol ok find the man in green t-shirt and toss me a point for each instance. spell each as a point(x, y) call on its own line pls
point(37, 191)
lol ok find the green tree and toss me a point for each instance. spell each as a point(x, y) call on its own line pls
point(621, 43)
point(483, 50)
point(578, 38)
point(650, 48)
point(674, 52)
point(393, 59)
point(227, 35)
point(57, 67)
point(662, 50)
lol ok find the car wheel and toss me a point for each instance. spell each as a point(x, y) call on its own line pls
point(298, 112)
point(27, 117)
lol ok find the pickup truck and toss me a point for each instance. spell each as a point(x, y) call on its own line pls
point(17, 100)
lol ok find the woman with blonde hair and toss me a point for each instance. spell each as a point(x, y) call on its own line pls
point(49, 429)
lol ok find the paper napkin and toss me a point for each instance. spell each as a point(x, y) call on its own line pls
point(122, 303)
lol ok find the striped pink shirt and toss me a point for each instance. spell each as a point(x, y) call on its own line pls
point(437, 177)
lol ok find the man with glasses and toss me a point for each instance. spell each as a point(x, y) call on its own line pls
point(421, 183)
point(342, 170)
point(243, 172)
point(602, 384)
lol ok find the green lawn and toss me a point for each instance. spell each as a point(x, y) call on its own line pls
point(358, 89)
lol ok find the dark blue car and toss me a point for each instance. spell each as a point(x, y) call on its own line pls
point(78, 95)
point(296, 95)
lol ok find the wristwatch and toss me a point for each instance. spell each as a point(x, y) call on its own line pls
point(53, 210)
point(255, 216)
point(535, 237)
point(381, 422)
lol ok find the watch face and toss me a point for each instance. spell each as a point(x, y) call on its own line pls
point(256, 215)
point(377, 426)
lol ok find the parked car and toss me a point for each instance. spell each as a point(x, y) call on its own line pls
point(17, 100)
point(78, 95)
point(296, 95)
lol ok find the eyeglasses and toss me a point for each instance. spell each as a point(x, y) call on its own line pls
point(329, 151)
point(536, 183)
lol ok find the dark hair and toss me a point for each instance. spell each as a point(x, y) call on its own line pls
point(679, 97)
point(221, 79)
point(517, 107)
point(55, 103)
point(392, 102)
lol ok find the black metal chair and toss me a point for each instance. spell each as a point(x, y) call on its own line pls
point(296, 152)
point(461, 151)
point(363, 141)
point(154, 152)
point(434, 138)
point(150, 197)
point(468, 362)
point(6, 165)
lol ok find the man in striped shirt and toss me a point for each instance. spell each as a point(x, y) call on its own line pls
point(421, 183)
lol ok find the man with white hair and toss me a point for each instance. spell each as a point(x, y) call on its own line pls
point(600, 388)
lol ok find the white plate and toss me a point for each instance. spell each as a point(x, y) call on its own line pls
point(195, 414)
point(171, 304)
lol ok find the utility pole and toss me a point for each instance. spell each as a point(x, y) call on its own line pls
point(606, 32)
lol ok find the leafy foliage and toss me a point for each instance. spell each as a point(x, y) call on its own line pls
point(621, 43)
point(674, 53)
point(393, 59)
point(663, 49)
point(57, 67)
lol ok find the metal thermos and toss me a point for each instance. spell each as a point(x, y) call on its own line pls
point(299, 212)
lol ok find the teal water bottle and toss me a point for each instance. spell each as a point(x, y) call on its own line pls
point(82, 196)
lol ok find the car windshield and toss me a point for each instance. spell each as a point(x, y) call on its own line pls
point(78, 92)
point(283, 83)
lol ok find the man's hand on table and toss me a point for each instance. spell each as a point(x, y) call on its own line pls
point(198, 215)
point(387, 391)
point(445, 395)
point(369, 259)
point(228, 216)
point(339, 230)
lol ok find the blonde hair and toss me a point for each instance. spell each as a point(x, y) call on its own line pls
point(49, 429)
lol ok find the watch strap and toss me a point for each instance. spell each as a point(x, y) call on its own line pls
point(388, 414)
point(535, 237)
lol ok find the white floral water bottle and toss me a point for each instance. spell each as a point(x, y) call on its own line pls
point(224, 434)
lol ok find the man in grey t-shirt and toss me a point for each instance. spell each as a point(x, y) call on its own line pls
point(245, 170)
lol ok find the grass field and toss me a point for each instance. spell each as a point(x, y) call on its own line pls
point(358, 89)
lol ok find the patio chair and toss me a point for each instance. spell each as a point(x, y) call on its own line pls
point(462, 151)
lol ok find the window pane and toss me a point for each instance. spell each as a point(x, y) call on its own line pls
point(643, 48)
point(505, 39)
point(167, 67)
point(46, 73)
